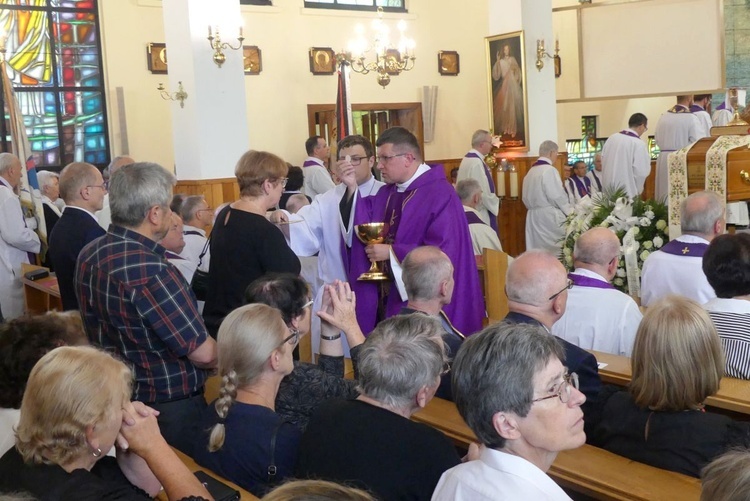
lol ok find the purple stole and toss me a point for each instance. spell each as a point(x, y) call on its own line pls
point(584, 187)
point(677, 248)
point(723, 106)
point(310, 163)
point(471, 154)
point(540, 162)
point(472, 218)
point(582, 281)
point(678, 108)
point(630, 133)
point(694, 108)
point(596, 178)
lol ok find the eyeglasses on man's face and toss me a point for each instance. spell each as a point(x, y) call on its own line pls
point(563, 391)
point(102, 186)
point(354, 160)
point(567, 287)
point(384, 159)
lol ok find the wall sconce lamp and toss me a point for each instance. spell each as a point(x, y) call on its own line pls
point(180, 95)
point(541, 54)
point(218, 46)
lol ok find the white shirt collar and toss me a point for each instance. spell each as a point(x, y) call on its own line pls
point(470, 209)
point(51, 205)
point(187, 227)
point(522, 468)
point(728, 305)
point(6, 184)
point(401, 187)
point(692, 239)
point(365, 189)
point(81, 209)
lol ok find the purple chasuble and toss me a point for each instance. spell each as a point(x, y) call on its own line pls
point(472, 218)
point(428, 213)
point(583, 281)
point(493, 219)
point(583, 186)
point(598, 182)
point(695, 108)
point(310, 163)
point(689, 249)
point(630, 133)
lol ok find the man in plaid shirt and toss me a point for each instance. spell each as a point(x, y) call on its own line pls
point(136, 304)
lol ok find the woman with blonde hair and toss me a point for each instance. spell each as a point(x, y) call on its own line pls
point(244, 244)
point(316, 490)
point(677, 363)
point(245, 440)
point(75, 407)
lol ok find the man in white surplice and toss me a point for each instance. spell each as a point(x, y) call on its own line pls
point(700, 104)
point(723, 114)
point(625, 160)
point(17, 237)
point(596, 174)
point(482, 234)
point(598, 316)
point(473, 167)
point(546, 201)
point(321, 230)
point(677, 268)
point(676, 129)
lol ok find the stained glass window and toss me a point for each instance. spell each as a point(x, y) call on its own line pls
point(54, 62)
point(387, 5)
point(588, 145)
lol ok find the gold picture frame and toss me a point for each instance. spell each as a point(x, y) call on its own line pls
point(156, 58)
point(252, 59)
point(322, 61)
point(506, 85)
point(448, 62)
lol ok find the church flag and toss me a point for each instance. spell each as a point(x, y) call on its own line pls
point(344, 126)
point(31, 198)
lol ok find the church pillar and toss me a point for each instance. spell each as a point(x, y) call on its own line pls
point(211, 132)
point(535, 19)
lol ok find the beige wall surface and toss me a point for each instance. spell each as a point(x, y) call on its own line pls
point(278, 97)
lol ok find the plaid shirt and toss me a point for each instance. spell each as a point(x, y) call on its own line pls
point(137, 305)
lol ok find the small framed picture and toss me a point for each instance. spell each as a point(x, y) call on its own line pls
point(156, 58)
point(252, 59)
point(322, 61)
point(448, 63)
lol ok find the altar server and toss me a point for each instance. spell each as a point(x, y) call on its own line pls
point(625, 160)
point(473, 167)
point(676, 129)
point(317, 178)
point(699, 108)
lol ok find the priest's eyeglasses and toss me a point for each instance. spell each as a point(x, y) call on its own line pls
point(386, 158)
point(567, 287)
point(563, 391)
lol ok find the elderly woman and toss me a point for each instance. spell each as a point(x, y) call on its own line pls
point(23, 341)
point(512, 389)
point(727, 478)
point(309, 385)
point(659, 419)
point(370, 442)
point(248, 442)
point(726, 265)
point(244, 244)
point(76, 405)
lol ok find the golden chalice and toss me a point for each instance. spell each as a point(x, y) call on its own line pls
point(368, 234)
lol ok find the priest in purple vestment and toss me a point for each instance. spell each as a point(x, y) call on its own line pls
point(421, 208)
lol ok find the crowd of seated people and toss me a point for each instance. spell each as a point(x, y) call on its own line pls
point(74, 422)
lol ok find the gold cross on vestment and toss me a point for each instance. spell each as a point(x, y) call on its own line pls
point(685, 251)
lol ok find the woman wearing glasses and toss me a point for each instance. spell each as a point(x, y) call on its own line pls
point(512, 389)
point(244, 245)
point(248, 442)
point(677, 363)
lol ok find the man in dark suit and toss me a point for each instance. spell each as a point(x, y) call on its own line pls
point(537, 288)
point(82, 187)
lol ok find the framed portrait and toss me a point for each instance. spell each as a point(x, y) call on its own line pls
point(506, 84)
point(322, 61)
point(156, 58)
point(448, 62)
point(252, 60)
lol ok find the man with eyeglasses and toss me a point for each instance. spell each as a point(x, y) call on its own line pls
point(321, 232)
point(626, 162)
point(18, 241)
point(537, 288)
point(317, 178)
point(82, 188)
point(598, 316)
point(420, 207)
point(473, 167)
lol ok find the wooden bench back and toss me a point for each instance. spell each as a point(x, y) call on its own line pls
point(495, 269)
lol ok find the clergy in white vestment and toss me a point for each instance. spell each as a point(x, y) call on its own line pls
point(17, 238)
point(723, 114)
point(626, 162)
point(482, 234)
point(677, 268)
point(104, 216)
point(569, 186)
point(595, 175)
point(676, 129)
point(701, 102)
point(546, 201)
point(317, 178)
point(581, 182)
point(316, 228)
point(598, 316)
point(473, 167)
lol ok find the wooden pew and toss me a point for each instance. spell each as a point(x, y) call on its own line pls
point(588, 470)
point(733, 394)
point(41, 295)
point(193, 467)
point(495, 268)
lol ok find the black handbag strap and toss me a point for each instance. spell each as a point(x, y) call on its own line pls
point(272, 470)
point(205, 246)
